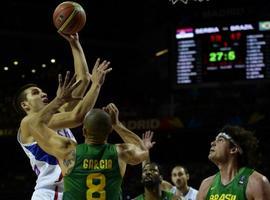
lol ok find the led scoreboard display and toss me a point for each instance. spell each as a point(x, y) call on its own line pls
point(231, 53)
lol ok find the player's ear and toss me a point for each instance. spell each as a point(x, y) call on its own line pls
point(84, 131)
point(234, 150)
point(187, 176)
point(160, 178)
point(25, 106)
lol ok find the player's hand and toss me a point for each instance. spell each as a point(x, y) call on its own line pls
point(147, 139)
point(99, 72)
point(70, 38)
point(64, 91)
point(113, 111)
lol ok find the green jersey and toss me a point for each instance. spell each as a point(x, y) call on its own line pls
point(96, 174)
point(235, 190)
point(164, 196)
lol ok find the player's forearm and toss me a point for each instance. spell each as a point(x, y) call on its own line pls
point(75, 117)
point(47, 112)
point(87, 103)
point(79, 91)
point(128, 136)
point(80, 63)
point(81, 71)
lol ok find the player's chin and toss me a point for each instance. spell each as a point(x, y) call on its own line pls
point(147, 179)
point(178, 185)
point(210, 156)
point(45, 101)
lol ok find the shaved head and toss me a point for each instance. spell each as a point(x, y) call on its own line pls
point(97, 124)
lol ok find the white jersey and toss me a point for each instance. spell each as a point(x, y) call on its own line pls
point(191, 195)
point(49, 176)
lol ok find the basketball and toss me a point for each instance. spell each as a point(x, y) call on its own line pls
point(69, 17)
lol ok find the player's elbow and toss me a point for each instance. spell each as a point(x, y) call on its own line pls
point(76, 119)
point(145, 155)
point(135, 161)
point(78, 114)
point(139, 158)
point(84, 79)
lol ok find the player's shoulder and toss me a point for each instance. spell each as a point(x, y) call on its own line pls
point(208, 180)
point(24, 131)
point(258, 178)
point(193, 191)
point(166, 186)
point(204, 187)
point(24, 124)
point(258, 184)
point(27, 119)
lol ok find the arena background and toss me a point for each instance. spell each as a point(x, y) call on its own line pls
point(129, 34)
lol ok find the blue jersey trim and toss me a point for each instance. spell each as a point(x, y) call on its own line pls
point(41, 155)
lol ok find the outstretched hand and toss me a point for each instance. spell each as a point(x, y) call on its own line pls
point(113, 111)
point(64, 91)
point(99, 72)
point(147, 139)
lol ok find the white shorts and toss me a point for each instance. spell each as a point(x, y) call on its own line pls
point(44, 194)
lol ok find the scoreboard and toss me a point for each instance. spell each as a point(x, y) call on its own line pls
point(231, 53)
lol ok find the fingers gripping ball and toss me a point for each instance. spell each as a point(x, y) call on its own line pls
point(69, 17)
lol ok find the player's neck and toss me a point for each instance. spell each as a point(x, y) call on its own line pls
point(93, 141)
point(152, 194)
point(184, 190)
point(228, 172)
point(30, 112)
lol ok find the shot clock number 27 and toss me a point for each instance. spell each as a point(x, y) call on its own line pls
point(220, 56)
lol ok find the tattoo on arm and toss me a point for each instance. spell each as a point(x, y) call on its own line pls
point(70, 161)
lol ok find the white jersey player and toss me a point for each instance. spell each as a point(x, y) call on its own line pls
point(30, 99)
point(49, 183)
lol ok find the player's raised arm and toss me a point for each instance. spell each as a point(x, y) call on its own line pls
point(80, 67)
point(133, 151)
point(127, 135)
point(75, 117)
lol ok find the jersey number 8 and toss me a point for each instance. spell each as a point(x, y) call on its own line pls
point(96, 183)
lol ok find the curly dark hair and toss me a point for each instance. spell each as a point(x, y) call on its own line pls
point(247, 141)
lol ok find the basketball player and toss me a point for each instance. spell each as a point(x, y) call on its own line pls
point(180, 177)
point(151, 180)
point(154, 185)
point(92, 170)
point(232, 152)
point(31, 99)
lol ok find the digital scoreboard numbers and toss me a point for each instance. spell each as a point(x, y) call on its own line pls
point(223, 54)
